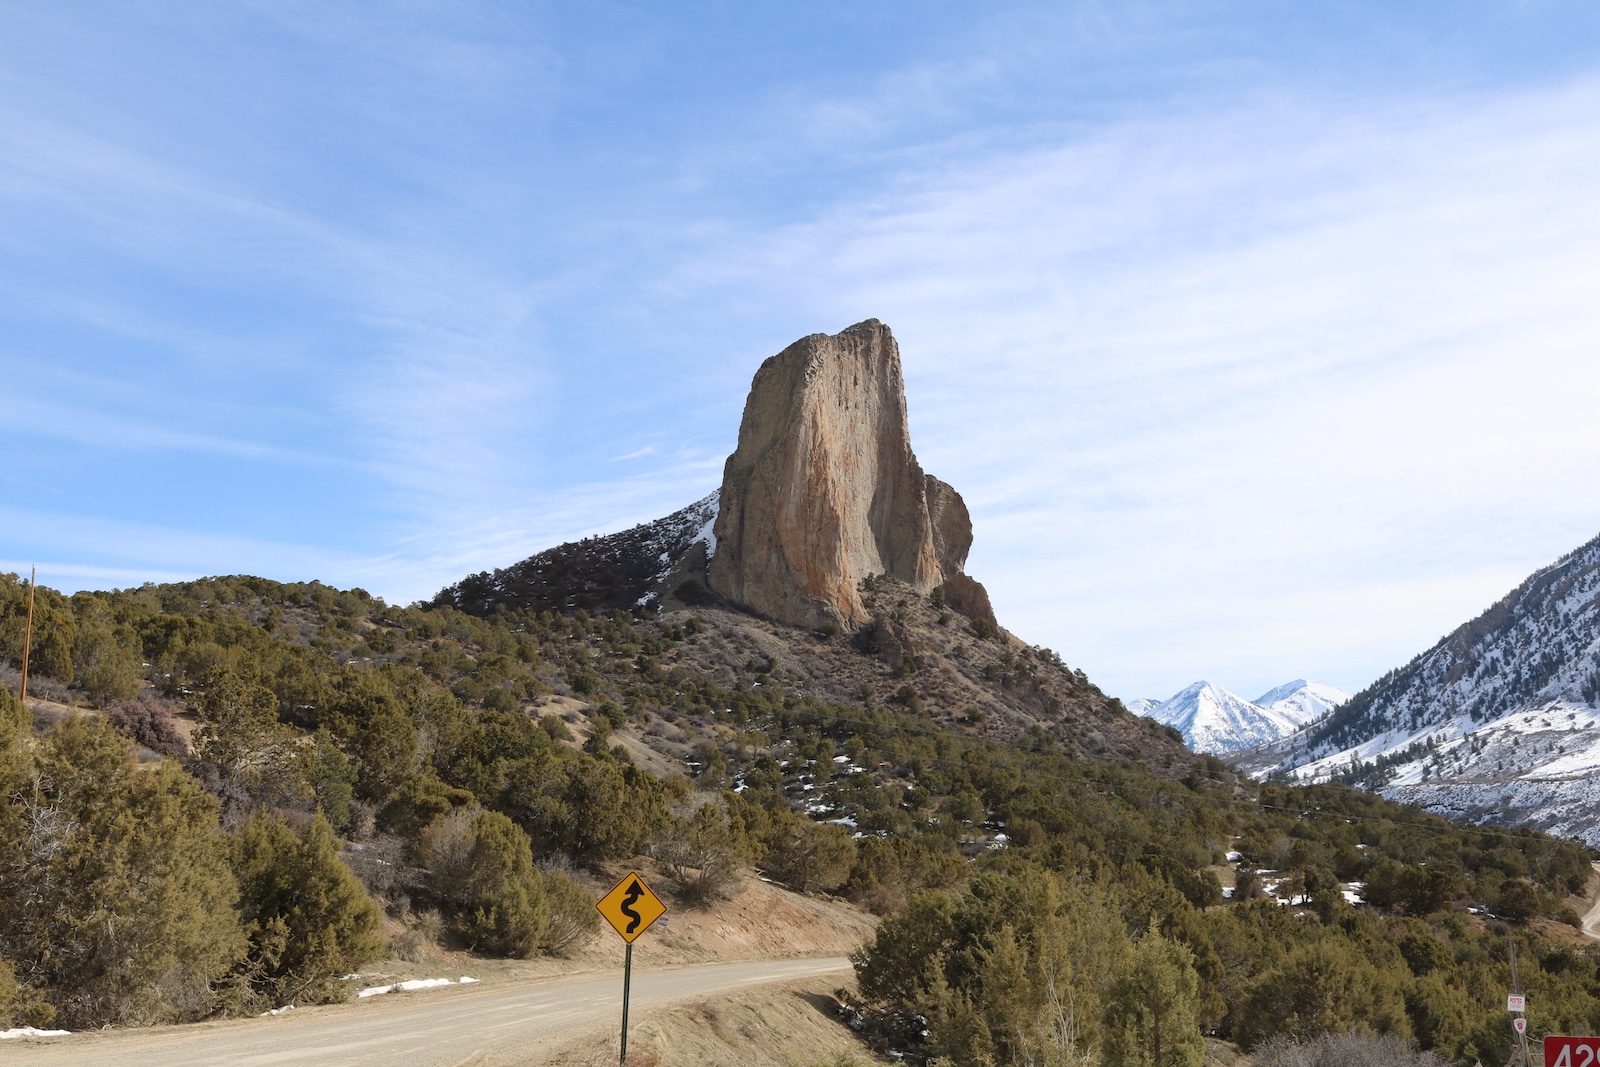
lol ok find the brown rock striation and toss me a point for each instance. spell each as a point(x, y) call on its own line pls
point(824, 490)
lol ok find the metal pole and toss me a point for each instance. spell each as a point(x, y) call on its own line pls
point(627, 981)
point(1516, 987)
point(27, 639)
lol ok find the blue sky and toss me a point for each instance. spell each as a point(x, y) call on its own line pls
point(1260, 337)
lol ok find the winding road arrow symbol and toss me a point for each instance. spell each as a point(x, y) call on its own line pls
point(635, 891)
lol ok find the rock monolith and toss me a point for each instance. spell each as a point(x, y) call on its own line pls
point(824, 490)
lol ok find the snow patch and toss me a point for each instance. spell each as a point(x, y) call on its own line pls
point(707, 531)
point(31, 1031)
point(414, 984)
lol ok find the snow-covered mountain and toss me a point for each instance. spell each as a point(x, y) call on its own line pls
point(1214, 720)
point(1302, 700)
point(1141, 705)
point(1498, 722)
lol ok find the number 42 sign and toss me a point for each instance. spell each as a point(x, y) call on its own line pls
point(1572, 1052)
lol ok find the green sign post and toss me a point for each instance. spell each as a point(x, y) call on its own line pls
point(630, 908)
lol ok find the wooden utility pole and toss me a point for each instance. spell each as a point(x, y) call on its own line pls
point(27, 637)
point(1516, 987)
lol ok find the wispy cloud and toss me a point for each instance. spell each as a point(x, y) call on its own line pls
point(1244, 376)
point(442, 376)
point(1208, 368)
point(131, 552)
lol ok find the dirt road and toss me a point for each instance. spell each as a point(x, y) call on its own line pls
point(455, 1026)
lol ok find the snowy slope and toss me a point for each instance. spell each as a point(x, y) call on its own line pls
point(1498, 722)
point(1141, 705)
point(620, 570)
point(1536, 767)
point(1302, 700)
point(1214, 720)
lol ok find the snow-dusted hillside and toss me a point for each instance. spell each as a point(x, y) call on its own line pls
point(639, 566)
point(1498, 722)
point(1214, 720)
point(1302, 700)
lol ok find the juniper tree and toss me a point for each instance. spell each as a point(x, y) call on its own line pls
point(482, 868)
point(309, 918)
point(1150, 1011)
point(119, 897)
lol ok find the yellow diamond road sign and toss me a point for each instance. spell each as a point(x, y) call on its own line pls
point(630, 907)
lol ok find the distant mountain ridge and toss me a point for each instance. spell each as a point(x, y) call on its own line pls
point(1497, 722)
point(1303, 700)
point(1214, 720)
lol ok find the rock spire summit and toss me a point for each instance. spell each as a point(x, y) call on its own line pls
point(824, 490)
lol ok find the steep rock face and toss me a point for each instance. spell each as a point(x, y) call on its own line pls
point(969, 597)
point(824, 489)
point(952, 526)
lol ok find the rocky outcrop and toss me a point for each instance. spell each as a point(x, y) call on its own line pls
point(824, 490)
point(968, 596)
point(952, 526)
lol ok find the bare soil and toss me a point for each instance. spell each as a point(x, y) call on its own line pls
point(789, 1024)
point(762, 921)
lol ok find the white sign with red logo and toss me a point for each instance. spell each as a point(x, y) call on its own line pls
point(1516, 1002)
point(1520, 1023)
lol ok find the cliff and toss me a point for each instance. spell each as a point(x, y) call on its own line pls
point(824, 490)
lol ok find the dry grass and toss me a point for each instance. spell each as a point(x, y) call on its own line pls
point(419, 940)
point(790, 1025)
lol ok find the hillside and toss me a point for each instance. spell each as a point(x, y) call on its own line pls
point(622, 570)
point(1495, 723)
point(830, 563)
point(547, 717)
point(916, 652)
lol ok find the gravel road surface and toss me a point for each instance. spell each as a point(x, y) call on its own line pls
point(453, 1026)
